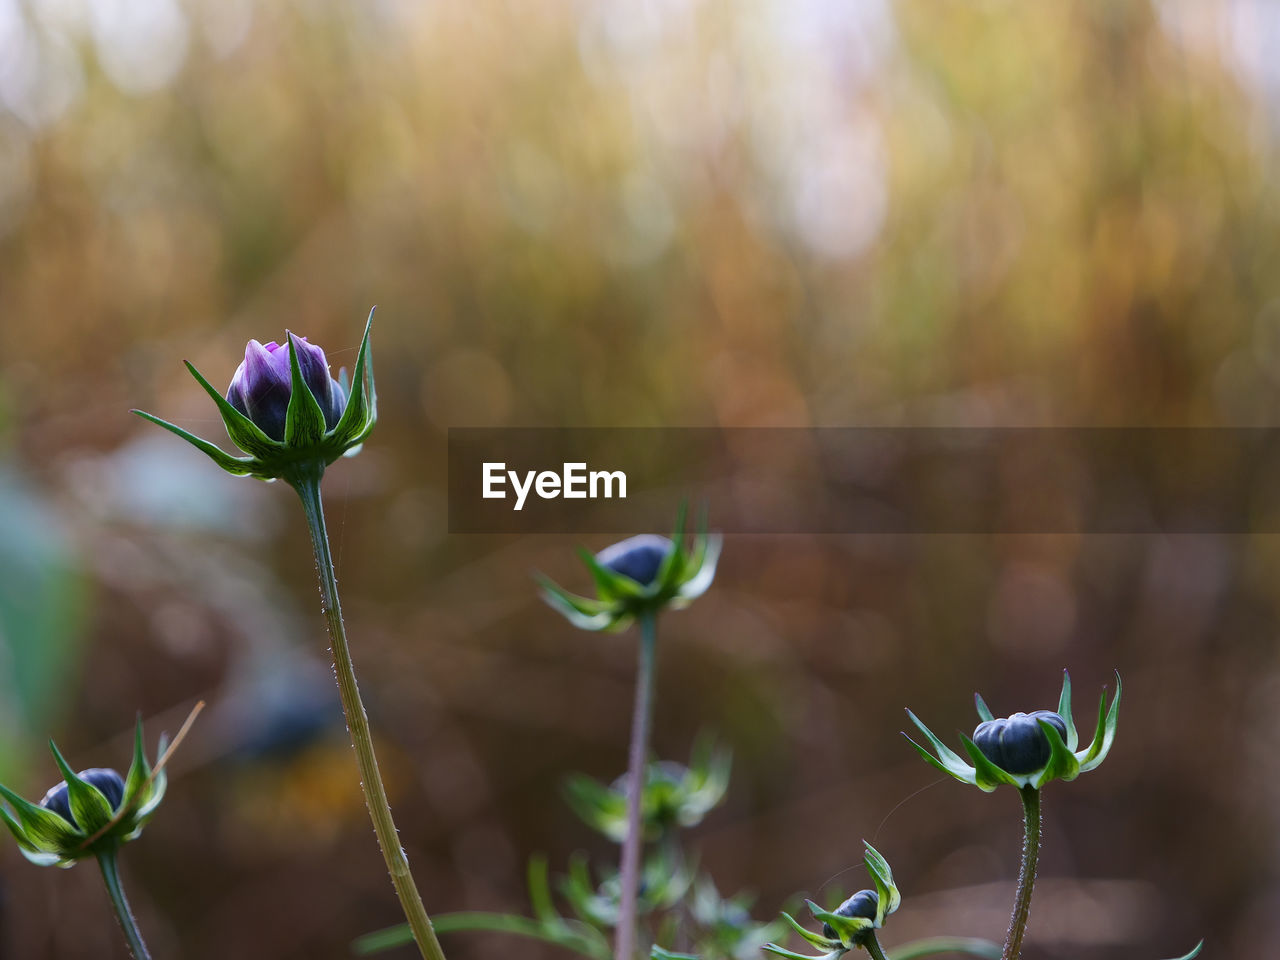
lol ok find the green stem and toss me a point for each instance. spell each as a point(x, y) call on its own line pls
point(625, 945)
point(873, 946)
point(375, 794)
point(1027, 875)
point(111, 876)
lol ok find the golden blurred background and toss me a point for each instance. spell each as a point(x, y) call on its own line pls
point(631, 213)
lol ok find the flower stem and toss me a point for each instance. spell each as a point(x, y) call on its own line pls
point(1027, 875)
point(873, 946)
point(625, 945)
point(111, 876)
point(375, 794)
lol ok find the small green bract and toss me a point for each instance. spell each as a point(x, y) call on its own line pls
point(1050, 739)
point(88, 813)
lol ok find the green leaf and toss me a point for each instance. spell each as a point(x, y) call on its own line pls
point(244, 433)
point(90, 809)
point(657, 953)
point(575, 938)
point(1194, 952)
point(932, 945)
point(304, 420)
point(240, 467)
point(1064, 711)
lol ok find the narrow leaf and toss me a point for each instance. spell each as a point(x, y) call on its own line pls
point(234, 465)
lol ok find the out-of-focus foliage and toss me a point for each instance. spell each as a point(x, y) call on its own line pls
point(41, 615)
point(646, 212)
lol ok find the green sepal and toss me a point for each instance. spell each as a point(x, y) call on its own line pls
point(1064, 711)
point(1192, 953)
point(90, 809)
point(244, 433)
point(239, 466)
point(304, 425)
point(813, 939)
point(703, 571)
point(1062, 764)
point(947, 760)
point(139, 769)
point(987, 775)
point(597, 806)
point(669, 570)
point(583, 612)
point(1105, 734)
point(984, 712)
point(613, 586)
point(38, 856)
point(540, 891)
point(882, 877)
point(159, 784)
point(362, 401)
point(44, 829)
point(792, 955)
point(848, 929)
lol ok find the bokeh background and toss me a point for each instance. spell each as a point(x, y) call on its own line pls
point(639, 213)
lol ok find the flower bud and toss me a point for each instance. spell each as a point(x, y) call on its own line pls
point(639, 558)
point(263, 384)
point(108, 783)
point(639, 577)
point(287, 412)
point(88, 813)
point(1017, 744)
point(863, 904)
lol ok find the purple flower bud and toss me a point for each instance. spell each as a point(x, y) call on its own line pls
point(263, 384)
point(1017, 744)
point(863, 904)
point(639, 558)
point(109, 783)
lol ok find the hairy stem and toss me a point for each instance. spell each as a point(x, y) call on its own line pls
point(872, 946)
point(1027, 875)
point(111, 876)
point(625, 945)
point(375, 794)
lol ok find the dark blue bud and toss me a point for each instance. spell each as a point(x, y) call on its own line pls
point(109, 783)
point(639, 558)
point(863, 904)
point(1017, 744)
